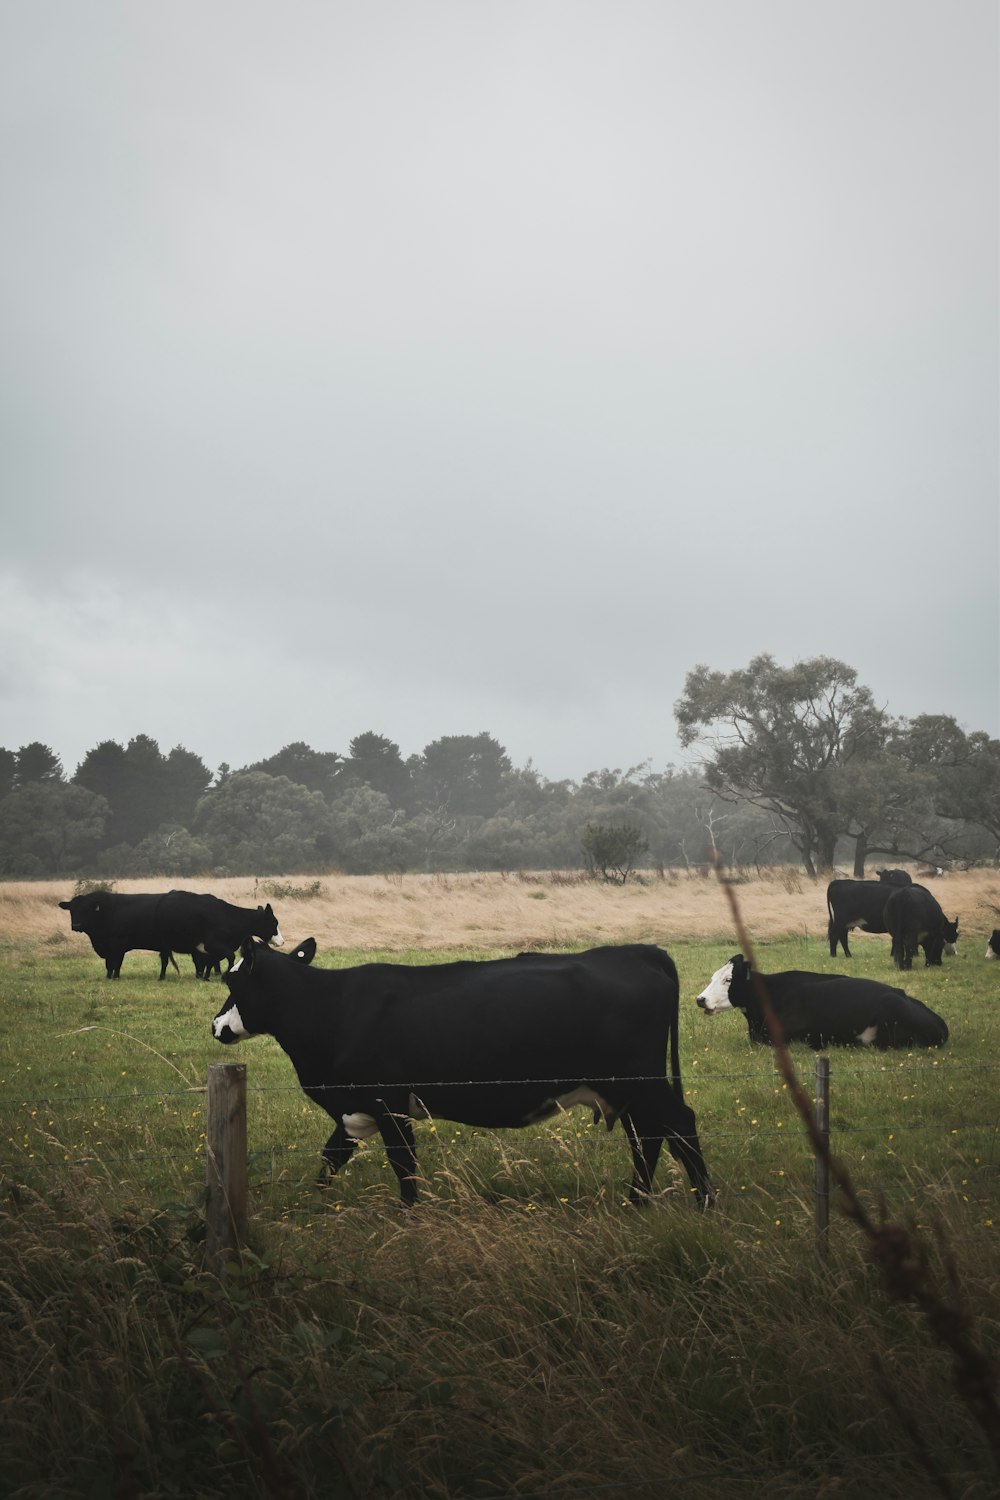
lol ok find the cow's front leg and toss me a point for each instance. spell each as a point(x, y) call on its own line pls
point(397, 1134)
point(336, 1153)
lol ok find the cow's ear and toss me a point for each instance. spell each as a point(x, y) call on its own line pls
point(64, 905)
point(247, 951)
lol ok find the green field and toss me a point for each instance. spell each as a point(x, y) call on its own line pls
point(521, 1332)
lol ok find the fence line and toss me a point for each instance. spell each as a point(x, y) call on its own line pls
point(692, 1081)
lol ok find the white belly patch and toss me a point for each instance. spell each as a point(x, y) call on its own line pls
point(868, 1035)
point(581, 1095)
point(360, 1126)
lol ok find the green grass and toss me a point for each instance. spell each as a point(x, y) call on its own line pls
point(521, 1331)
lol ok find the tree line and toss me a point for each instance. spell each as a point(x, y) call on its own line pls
point(795, 763)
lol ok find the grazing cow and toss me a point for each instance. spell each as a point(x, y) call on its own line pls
point(498, 1043)
point(914, 918)
point(993, 946)
point(855, 903)
point(894, 877)
point(176, 921)
point(822, 1008)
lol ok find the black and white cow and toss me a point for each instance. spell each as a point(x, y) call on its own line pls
point(894, 877)
point(993, 945)
point(173, 922)
point(498, 1043)
point(915, 919)
point(820, 1009)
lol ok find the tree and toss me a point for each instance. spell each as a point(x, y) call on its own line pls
point(48, 828)
point(885, 802)
point(376, 761)
point(169, 851)
point(463, 774)
point(778, 737)
point(143, 788)
point(8, 771)
point(613, 851)
point(368, 834)
point(102, 771)
point(965, 769)
point(255, 823)
point(37, 762)
point(318, 770)
point(185, 780)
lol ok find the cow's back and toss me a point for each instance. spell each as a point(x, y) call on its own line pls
point(600, 1013)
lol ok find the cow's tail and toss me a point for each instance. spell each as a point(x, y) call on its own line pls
point(673, 1025)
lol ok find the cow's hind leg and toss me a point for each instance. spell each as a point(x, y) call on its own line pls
point(397, 1134)
point(645, 1143)
point(837, 935)
point(676, 1124)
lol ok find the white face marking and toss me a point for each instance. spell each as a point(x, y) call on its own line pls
point(990, 953)
point(278, 940)
point(868, 1035)
point(951, 950)
point(232, 1020)
point(715, 995)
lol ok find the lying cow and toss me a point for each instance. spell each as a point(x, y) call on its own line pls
point(914, 919)
point(499, 1043)
point(993, 946)
point(820, 1009)
point(173, 922)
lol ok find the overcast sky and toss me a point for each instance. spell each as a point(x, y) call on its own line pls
point(432, 367)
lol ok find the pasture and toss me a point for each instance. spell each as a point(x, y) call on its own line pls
point(520, 1332)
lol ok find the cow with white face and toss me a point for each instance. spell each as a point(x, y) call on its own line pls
point(820, 1009)
point(499, 1043)
point(993, 946)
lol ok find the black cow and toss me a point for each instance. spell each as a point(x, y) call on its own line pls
point(914, 918)
point(822, 1008)
point(894, 877)
point(497, 1043)
point(176, 921)
point(855, 903)
point(203, 966)
point(993, 946)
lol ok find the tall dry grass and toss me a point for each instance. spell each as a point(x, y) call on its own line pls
point(496, 911)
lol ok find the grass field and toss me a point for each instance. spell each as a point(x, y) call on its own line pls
point(521, 1332)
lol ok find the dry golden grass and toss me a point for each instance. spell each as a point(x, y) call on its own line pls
point(494, 911)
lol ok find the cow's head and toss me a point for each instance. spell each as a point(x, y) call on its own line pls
point(266, 926)
point(85, 911)
point(950, 934)
point(993, 946)
point(726, 987)
point(249, 1010)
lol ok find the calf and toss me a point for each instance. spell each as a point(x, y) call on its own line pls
point(499, 1043)
point(820, 1009)
point(174, 922)
point(914, 918)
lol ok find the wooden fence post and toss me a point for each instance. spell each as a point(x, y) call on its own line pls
point(225, 1163)
point(823, 1161)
